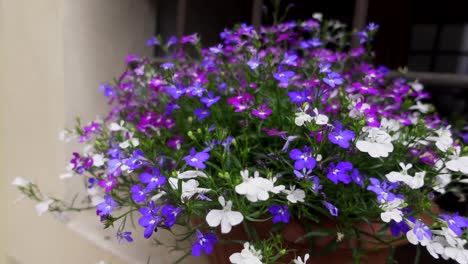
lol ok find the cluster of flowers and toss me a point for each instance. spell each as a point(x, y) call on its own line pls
point(283, 123)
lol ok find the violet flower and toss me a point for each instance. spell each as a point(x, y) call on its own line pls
point(149, 219)
point(455, 223)
point(201, 113)
point(210, 99)
point(170, 213)
point(341, 137)
point(153, 179)
point(280, 213)
point(106, 207)
point(331, 208)
point(203, 243)
point(382, 189)
point(138, 193)
point(197, 159)
point(262, 111)
point(333, 79)
point(340, 172)
point(124, 236)
point(303, 159)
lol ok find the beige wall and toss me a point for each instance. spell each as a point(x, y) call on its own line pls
point(53, 55)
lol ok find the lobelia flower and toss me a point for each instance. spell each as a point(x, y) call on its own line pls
point(443, 140)
point(333, 79)
point(254, 188)
point(43, 206)
point(262, 111)
point(170, 213)
point(201, 113)
point(415, 182)
point(280, 213)
point(419, 234)
point(248, 255)
point(392, 211)
point(303, 159)
point(124, 236)
point(175, 142)
point(341, 137)
point(189, 188)
point(153, 41)
point(331, 208)
point(457, 163)
point(197, 159)
point(455, 223)
point(210, 99)
point(377, 143)
point(357, 177)
point(316, 187)
point(20, 182)
point(106, 207)
point(108, 183)
point(253, 63)
point(398, 228)
point(225, 217)
point(294, 195)
point(290, 59)
point(298, 260)
point(320, 119)
point(283, 76)
point(203, 243)
point(382, 189)
point(98, 160)
point(340, 172)
point(149, 219)
point(138, 193)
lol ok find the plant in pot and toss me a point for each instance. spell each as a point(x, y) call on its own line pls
point(279, 145)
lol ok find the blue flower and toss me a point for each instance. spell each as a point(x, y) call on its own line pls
point(210, 99)
point(203, 242)
point(197, 159)
point(170, 213)
point(289, 59)
point(106, 207)
point(149, 219)
point(357, 177)
point(304, 159)
point(201, 113)
point(316, 187)
point(341, 137)
point(107, 90)
point(382, 189)
point(455, 223)
point(124, 236)
point(333, 79)
point(153, 41)
point(153, 179)
point(176, 92)
point(399, 228)
point(283, 76)
point(167, 66)
point(339, 173)
point(138, 193)
point(280, 213)
point(331, 208)
point(136, 161)
point(253, 63)
point(422, 231)
point(299, 96)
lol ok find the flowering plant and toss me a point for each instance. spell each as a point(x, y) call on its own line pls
point(281, 124)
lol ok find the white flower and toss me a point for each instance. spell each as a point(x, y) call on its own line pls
point(457, 163)
point(276, 189)
point(226, 217)
point(458, 254)
point(444, 139)
point(392, 211)
point(416, 86)
point(69, 172)
point(98, 160)
point(298, 260)
point(396, 176)
point(248, 255)
point(377, 143)
point(389, 125)
point(320, 119)
point(443, 178)
point(134, 142)
point(301, 118)
point(43, 206)
point(190, 174)
point(189, 188)
point(20, 182)
point(317, 16)
point(158, 195)
point(435, 247)
point(423, 108)
point(417, 181)
point(295, 195)
point(66, 135)
point(254, 188)
point(117, 127)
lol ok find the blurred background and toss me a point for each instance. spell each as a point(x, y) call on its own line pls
point(55, 53)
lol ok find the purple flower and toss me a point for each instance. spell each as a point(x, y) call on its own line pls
point(399, 228)
point(253, 63)
point(124, 236)
point(372, 26)
point(193, 39)
point(167, 66)
point(138, 193)
point(315, 186)
point(170, 213)
point(135, 161)
point(465, 137)
point(357, 177)
point(283, 76)
point(149, 219)
point(339, 173)
point(455, 223)
point(241, 102)
point(197, 159)
point(176, 92)
point(262, 111)
point(107, 90)
point(153, 41)
point(289, 59)
point(333, 79)
point(341, 137)
point(175, 142)
point(106, 207)
point(280, 213)
point(421, 230)
point(171, 41)
point(298, 96)
point(324, 68)
point(203, 242)
point(201, 113)
point(331, 208)
point(153, 179)
point(382, 189)
point(196, 89)
point(210, 99)
point(216, 49)
point(303, 159)
point(108, 184)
